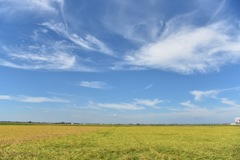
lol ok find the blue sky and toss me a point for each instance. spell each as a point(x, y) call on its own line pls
point(121, 61)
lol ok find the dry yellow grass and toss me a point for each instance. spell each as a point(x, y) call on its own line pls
point(13, 134)
point(119, 142)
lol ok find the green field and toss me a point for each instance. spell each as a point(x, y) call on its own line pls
point(119, 142)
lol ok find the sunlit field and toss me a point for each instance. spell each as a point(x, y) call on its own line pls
point(119, 142)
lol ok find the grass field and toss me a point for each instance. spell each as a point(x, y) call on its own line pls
point(119, 142)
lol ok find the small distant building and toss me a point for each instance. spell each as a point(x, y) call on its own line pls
point(237, 120)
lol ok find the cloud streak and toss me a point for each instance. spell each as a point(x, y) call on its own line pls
point(5, 97)
point(39, 57)
point(31, 99)
point(41, 6)
point(136, 104)
point(230, 103)
point(94, 84)
point(89, 42)
point(211, 102)
point(188, 104)
point(199, 95)
point(148, 87)
point(120, 106)
point(148, 102)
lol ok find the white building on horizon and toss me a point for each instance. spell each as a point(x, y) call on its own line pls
point(237, 120)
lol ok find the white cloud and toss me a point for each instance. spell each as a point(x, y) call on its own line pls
point(58, 60)
point(61, 30)
point(230, 103)
point(148, 102)
point(190, 49)
point(148, 86)
point(94, 84)
point(88, 42)
point(199, 114)
point(136, 104)
point(5, 97)
point(37, 6)
point(216, 106)
point(139, 32)
point(31, 99)
point(49, 56)
point(136, 23)
point(120, 106)
point(195, 110)
point(218, 10)
point(53, 61)
point(198, 95)
point(189, 104)
point(156, 39)
point(98, 45)
point(45, 51)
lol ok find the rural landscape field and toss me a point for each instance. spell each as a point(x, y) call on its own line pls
point(119, 80)
point(119, 142)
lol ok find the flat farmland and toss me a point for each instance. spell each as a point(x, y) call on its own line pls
point(119, 142)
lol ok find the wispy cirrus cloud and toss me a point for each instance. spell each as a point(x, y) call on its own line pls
point(89, 42)
point(148, 102)
point(31, 99)
point(44, 50)
point(199, 95)
point(136, 23)
point(212, 101)
point(43, 6)
point(94, 84)
point(148, 87)
point(5, 97)
point(189, 104)
point(136, 104)
point(152, 35)
point(190, 49)
point(120, 106)
point(51, 56)
point(196, 111)
point(48, 54)
point(230, 103)
point(177, 41)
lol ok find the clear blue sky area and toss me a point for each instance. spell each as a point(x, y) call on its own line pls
point(121, 61)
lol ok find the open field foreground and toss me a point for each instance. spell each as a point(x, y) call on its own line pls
point(119, 142)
